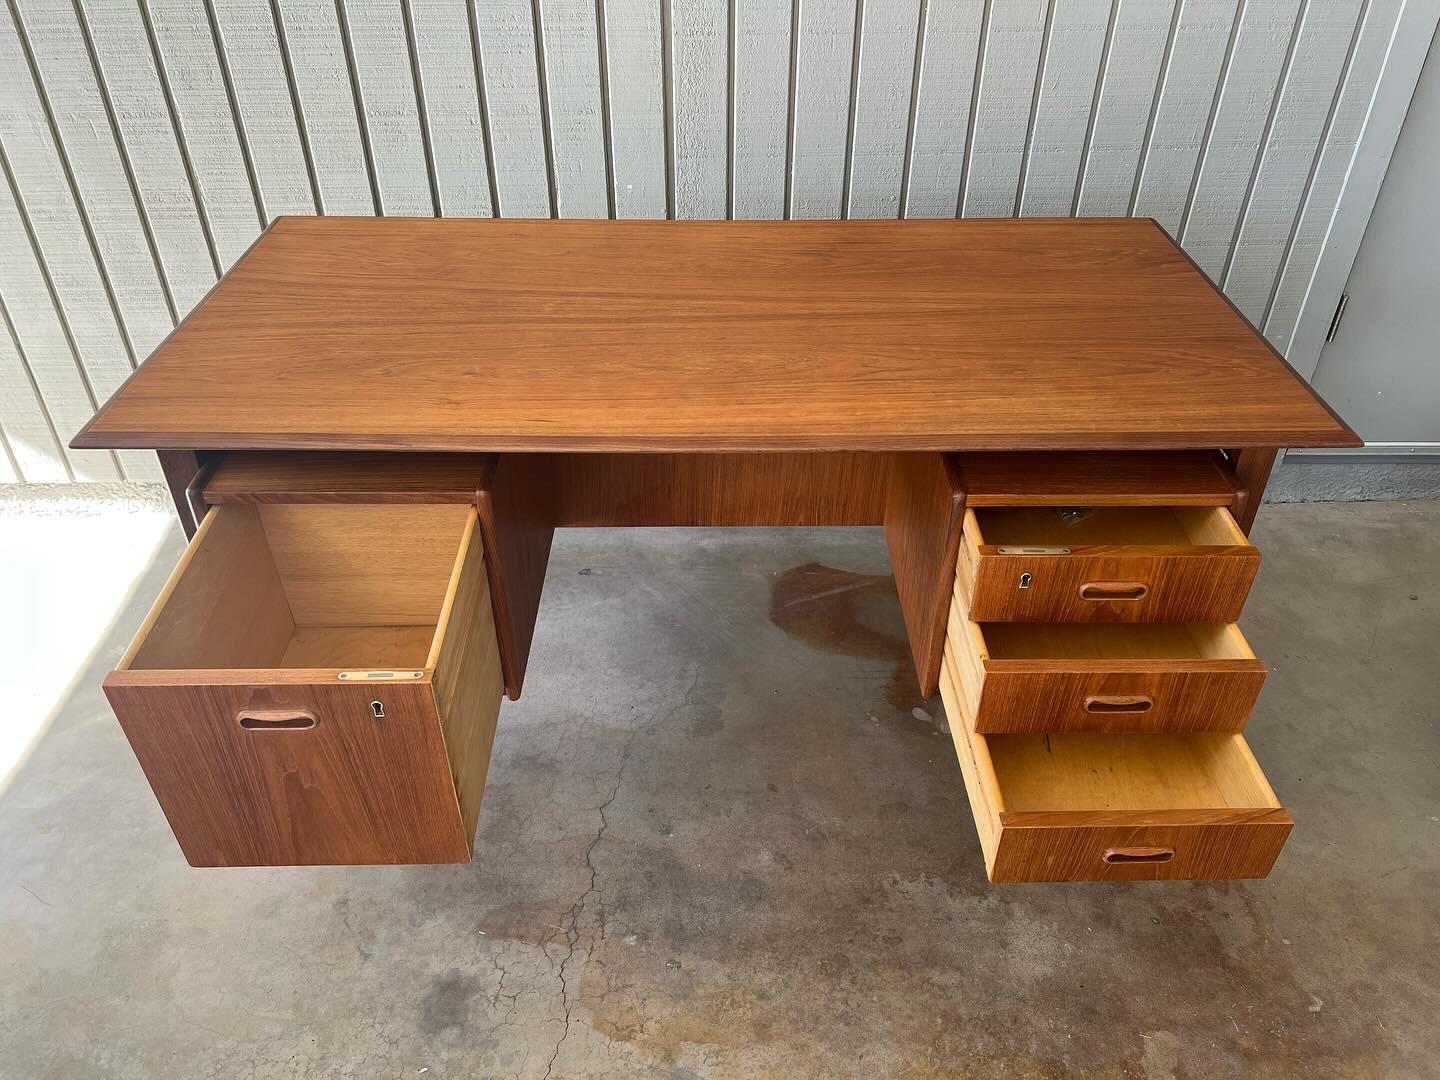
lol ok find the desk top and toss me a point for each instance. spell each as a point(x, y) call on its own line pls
point(465, 334)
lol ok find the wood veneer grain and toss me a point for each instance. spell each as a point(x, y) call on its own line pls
point(1253, 466)
point(924, 508)
point(621, 490)
point(1044, 688)
point(1176, 478)
point(182, 470)
point(1060, 808)
point(455, 334)
point(317, 477)
point(1184, 564)
point(468, 680)
point(255, 764)
point(517, 520)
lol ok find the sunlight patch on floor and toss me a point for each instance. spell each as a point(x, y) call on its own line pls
point(69, 561)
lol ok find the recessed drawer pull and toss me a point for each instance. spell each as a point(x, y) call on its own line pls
point(1118, 703)
point(276, 720)
point(1139, 854)
point(1114, 590)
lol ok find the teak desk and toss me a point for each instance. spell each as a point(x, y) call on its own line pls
point(372, 428)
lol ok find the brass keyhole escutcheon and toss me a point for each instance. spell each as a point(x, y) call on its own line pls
point(378, 708)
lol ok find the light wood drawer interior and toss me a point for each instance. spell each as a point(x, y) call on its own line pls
point(1073, 807)
point(318, 684)
point(1124, 772)
point(1103, 677)
point(306, 586)
point(1171, 526)
point(1106, 563)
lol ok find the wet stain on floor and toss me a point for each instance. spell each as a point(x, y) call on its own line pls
point(848, 614)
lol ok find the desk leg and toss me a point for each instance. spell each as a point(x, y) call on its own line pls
point(183, 471)
point(1252, 468)
point(517, 521)
point(924, 509)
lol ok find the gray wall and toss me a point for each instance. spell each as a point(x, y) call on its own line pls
point(144, 145)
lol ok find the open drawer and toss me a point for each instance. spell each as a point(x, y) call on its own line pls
point(1104, 564)
point(318, 684)
point(1116, 807)
point(1102, 677)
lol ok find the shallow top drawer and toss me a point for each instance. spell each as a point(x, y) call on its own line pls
point(1104, 564)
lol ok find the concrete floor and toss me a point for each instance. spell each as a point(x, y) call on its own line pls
point(723, 838)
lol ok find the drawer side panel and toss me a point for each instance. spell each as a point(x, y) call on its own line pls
point(469, 683)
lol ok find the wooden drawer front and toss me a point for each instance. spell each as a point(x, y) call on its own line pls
point(1103, 677)
point(1084, 845)
point(318, 684)
point(349, 789)
point(1115, 807)
point(1112, 564)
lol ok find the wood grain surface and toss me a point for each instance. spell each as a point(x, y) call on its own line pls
point(619, 490)
point(322, 777)
point(318, 477)
point(1174, 693)
point(468, 681)
point(1207, 845)
point(1253, 466)
point(224, 604)
point(1175, 581)
point(924, 508)
point(1177, 478)
point(362, 565)
point(515, 503)
point(183, 471)
point(517, 522)
point(351, 789)
point(1189, 807)
point(455, 334)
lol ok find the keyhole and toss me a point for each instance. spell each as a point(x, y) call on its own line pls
point(1025, 580)
point(378, 708)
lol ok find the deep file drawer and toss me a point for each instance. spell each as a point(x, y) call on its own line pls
point(1115, 807)
point(1104, 564)
point(318, 684)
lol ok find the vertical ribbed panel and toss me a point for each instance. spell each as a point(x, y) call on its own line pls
point(144, 146)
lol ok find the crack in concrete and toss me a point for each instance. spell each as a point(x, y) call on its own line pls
point(572, 917)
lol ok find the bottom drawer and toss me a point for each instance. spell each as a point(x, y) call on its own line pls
point(318, 684)
point(1116, 807)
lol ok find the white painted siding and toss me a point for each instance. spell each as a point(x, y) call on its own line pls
point(1000, 112)
point(760, 53)
point(878, 118)
point(635, 91)
point(1123, 107)
point(145, 144)
point(699, 79)
point(819, 131)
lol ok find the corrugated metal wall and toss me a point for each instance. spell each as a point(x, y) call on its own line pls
point(145, 144)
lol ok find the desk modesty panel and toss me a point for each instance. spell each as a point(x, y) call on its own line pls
point(473, 334)
point(373, 428)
